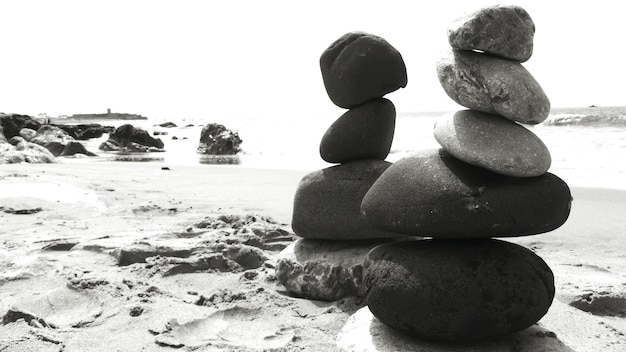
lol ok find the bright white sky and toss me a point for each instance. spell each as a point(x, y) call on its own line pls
point(207, 59)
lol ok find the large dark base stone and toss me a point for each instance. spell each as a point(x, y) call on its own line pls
point(457, 290)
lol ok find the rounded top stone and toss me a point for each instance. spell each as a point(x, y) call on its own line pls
point(502, 30)
point(359, 67)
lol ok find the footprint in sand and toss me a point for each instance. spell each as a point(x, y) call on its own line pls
point(236, 326)
point(601, 303)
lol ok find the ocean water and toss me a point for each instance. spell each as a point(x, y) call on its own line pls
point(587, 144)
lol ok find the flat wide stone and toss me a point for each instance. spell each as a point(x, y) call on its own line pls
point(493, 142)
point(433, 194)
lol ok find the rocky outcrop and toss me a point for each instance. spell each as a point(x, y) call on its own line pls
point(73, 148)
point(50, 133)
point(38, 143)
point(86, 131)
point(18, 150)
point(168, 124)
point(13, 123)
point(55, 139)
point(216, 139)
point(133, 139)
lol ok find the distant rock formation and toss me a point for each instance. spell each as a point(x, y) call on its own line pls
point(24, 139)
point(86, 131)
point(13, 123)
point(18, 150)
point(216, 139)
point(133, 139)
point(168, 124)
point(49, 133)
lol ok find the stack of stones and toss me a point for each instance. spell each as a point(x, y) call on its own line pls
point(358, 69)
point(489, 180)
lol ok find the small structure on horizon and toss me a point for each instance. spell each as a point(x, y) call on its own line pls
point(108, 116)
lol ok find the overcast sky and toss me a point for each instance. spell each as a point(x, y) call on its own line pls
point(196, 59)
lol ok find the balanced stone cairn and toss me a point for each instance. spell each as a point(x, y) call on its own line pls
point(489, 180)
point(358, 69)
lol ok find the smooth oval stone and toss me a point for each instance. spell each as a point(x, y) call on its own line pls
point(433, 194)
point(494, 85)
point(457, 290)
point(327, 202)
point(493, 142)
point(326, 270)
point(363, 132)
point(502, 30)
point(359, 67)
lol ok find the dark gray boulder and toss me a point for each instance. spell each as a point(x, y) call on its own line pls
point(130, 138)
point(457, 290)
point(13, 123)
point(216, 139)
point(363, 132)
point(359, 67)
point(433, 194)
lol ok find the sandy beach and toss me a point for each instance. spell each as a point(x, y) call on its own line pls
point(108, 256)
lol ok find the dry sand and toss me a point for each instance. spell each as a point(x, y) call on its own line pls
point(115, 257)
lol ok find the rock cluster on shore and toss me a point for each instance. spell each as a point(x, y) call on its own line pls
point(489, 180)
point(216, 139)
point(219, 145)
point(131, 139)
point(358, 69)
point(23, 139)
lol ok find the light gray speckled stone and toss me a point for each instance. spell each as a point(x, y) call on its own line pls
point(323, 269)
point(491, 84)
point(502, 30)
